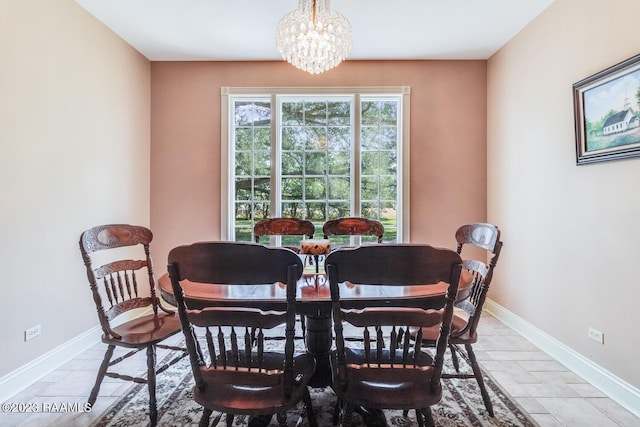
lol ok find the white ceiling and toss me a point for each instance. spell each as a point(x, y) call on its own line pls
point(242, 30)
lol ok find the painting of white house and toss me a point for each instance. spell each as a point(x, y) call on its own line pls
point(612, 113)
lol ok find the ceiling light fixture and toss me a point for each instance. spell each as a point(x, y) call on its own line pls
point(313, 37)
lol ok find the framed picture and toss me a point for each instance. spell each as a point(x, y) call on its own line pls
point(607, 113)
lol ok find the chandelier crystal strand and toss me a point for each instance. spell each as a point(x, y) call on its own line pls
point(314, 38)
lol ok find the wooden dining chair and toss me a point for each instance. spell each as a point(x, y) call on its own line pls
point(284, 227)
point(464, 327)
point(287, 227)
point(353, 226)
point(118, 286)
point(388, 370)
point(236, 370)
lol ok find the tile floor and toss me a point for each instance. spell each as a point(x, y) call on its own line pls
point(553, 395)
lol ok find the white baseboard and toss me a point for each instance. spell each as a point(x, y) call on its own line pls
point(16, 381)
point(617, 389)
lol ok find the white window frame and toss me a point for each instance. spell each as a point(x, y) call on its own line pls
point(228, 93)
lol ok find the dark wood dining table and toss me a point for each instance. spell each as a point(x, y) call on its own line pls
point(313, 301)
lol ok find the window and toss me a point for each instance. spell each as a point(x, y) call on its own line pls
point(316, 154)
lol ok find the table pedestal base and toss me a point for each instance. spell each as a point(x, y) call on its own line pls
point(319, 340)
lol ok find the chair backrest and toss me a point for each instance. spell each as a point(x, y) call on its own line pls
point(283, 227)
point(226, 344)
point(484, 236)
point(390, 353)
point(353, 226)
point(117, 279)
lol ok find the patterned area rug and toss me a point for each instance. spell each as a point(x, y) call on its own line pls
point(461, 405)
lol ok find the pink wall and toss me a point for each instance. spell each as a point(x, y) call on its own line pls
point(448, 140)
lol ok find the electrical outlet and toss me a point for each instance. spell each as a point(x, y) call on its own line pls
point(596, 335)
point(32, 332)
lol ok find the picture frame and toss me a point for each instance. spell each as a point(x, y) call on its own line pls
point(607, 113)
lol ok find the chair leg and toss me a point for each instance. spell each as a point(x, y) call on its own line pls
point(419, 417)
point(282, 418)
point(101, 373)
point(216, 419)
point(477, 372)
point(311, 414)
point(454, 357)
point(347, 415)
point(428, 417)
point(151, 383)
point(303, 326)
point(205, 418)
point(336, 412)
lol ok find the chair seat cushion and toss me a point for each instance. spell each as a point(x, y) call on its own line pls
point(385, 387)
point(237, 398)
point(143, 330)
point(430, 335)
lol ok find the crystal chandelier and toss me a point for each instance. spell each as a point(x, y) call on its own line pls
point(313, 37)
